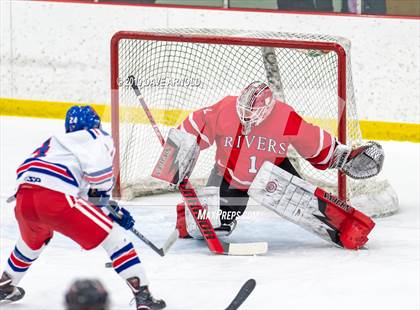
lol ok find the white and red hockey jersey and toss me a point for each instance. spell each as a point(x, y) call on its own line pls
point(239, 157)
point(71, 163)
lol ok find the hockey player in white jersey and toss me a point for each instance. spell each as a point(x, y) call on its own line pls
point(61, 188)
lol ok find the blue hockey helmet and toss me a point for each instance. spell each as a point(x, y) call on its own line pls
point(81, 117)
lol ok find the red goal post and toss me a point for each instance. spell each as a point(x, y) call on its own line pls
point(181, 51)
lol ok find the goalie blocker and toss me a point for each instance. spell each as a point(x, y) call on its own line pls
point(310, 207)
point(178, 157)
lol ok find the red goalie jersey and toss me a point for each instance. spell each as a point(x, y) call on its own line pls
point(238, 157)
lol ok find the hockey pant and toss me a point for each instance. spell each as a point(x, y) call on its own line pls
point(40, 212)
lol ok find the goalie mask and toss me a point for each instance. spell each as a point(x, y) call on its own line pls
point(254, 104)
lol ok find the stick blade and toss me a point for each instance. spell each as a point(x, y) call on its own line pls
point(246, 249)
point(170, 241)
point(242, 295)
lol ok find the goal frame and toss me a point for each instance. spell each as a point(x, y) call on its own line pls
point(225, 40)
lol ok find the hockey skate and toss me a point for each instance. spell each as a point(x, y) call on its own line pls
point(226, 229)
point(8, 292)
point(143, 297)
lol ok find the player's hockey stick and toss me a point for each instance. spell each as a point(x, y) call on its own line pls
point(190, 197)
point(161, 251)
point(242, 295)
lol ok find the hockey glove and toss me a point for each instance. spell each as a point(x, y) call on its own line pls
point(121, 216)
point(360, 163)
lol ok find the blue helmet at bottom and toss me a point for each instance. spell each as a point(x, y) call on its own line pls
point(81, 117)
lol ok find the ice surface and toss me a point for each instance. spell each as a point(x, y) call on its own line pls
point(300, 271)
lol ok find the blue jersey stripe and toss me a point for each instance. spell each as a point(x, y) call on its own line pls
point(44, 170)
point(51, 173)
point(102, 182)
point(99, 172)
point(103, 132)
point(43, 161)
point(92, 133)
point(50, 163)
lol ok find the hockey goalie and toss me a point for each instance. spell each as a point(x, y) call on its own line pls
point(252, 133)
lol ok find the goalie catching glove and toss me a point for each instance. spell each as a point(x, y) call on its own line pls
point(360, 163)
point(178, 157)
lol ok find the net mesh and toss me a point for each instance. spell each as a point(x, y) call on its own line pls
point(177, 78)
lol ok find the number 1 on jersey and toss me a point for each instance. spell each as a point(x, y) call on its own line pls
point(253, 168)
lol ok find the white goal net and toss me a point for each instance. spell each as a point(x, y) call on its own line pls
point(179, 71)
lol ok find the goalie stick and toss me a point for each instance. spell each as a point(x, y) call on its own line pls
point(242, 295)
point(190, 197)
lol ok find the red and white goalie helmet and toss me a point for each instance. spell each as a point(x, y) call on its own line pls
point(254, 104)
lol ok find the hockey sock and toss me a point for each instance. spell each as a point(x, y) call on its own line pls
point(125, 260)
point(20, 260)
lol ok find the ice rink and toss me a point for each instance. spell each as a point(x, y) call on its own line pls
point(299, 271)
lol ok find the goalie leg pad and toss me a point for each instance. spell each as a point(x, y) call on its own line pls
point(353, 234)
point(310, 207)
point(210, 200)
point(233, 201)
